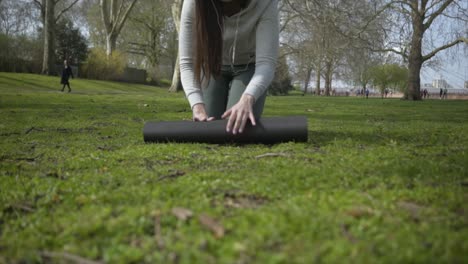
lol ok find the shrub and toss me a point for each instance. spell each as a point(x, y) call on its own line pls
point(99, 66)
point(20, 54)
point(281, 84)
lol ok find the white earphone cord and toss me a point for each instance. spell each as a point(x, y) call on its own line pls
point(233, 48)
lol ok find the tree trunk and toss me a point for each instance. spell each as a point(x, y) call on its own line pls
point(114, 16)
point(48, 61)
point(328, 83)
point(415, 61)
point(328, 78)
point(111, 41)
point(307, 80)
point(317, 82)
point(176, 82)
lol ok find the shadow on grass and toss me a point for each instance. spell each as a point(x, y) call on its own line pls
point(32, 84)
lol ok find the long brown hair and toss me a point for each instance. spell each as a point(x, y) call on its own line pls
point(209, 39)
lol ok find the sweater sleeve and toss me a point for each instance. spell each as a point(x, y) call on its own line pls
point(267, 47)
point(187, 21)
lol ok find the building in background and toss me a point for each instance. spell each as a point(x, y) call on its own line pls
point(440, 84)
point(466, 84)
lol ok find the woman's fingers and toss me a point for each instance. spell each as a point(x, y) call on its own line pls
point(230, 123)
point(237, 123)
point(199, 118)
point(238, 120)
point(226, 114)
point(243, 122)
point(252, 119)
point(239, 114)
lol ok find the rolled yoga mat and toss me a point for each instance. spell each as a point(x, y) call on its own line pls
point(267, 131)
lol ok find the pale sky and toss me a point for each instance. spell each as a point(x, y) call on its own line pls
point(454, 72)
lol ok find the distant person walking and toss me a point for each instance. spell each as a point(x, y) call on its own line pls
point(441, 93)
point(66, 73)
point(367, 93)
point(425, 94)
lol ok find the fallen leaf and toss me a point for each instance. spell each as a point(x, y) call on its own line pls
point(211, 224)
point(413, 208)
point(359, 212)
point(243, 201)
point(182, 214)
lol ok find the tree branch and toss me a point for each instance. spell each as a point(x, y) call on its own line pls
point(38, 3)
point(125, 16)
point(117, 16)
point(105, 15)
point(404, 55)
point(439, 11)
point(451, 44)
point(65, 10)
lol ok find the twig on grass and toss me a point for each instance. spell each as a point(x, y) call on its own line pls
point(175, 174)
point(22, 207)
point(31, 129)
point(68, 257)
point(266, 155)
point(347, 234)
point(157, 230)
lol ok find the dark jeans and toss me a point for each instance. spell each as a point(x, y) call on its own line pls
point(225, 91)
point(66, 84)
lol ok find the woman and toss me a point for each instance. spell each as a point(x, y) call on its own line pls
point(228, 51)
point(66, 73)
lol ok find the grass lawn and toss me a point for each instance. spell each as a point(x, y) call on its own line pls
point(379, 181)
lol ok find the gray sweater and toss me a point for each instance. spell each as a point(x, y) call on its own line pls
point(257, 41)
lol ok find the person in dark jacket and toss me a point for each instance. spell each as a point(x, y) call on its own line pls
point(66, 73)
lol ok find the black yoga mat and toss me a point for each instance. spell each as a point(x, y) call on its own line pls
point(267, 131)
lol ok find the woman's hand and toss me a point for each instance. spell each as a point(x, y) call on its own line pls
point(239, 114)
point(199, 113)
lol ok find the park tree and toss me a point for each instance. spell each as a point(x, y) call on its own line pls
point(147, 30)
point(71, 44)
point(418, 30)
point(327, 26)
point(303, 42)
point(50, 14)
point(176, 12)
point(422, 14)
point(281, 84)
point(114, 15)
point(16, 17)
point(359, 63)
point(386, 76)
point(150, 38)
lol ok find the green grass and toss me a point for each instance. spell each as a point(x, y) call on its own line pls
point(379, 181)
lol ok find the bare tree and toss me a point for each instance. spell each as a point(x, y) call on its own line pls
point(176, 82)
point(322, 46)
point(422, 15)
point(50, 16)
point(114, 14)
point(146, 31)
point(418, 30)
point(16, 17)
